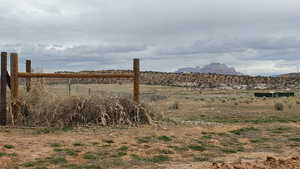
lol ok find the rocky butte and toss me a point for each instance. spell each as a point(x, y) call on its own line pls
point(217, 68)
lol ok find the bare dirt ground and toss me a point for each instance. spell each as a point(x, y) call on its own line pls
point(197, 129)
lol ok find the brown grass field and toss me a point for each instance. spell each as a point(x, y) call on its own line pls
point(192, 129)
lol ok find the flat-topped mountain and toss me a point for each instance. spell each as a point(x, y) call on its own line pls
point(295, 75)
point(217, 68)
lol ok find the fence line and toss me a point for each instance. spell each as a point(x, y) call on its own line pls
point(3, 110)
point(12, 82)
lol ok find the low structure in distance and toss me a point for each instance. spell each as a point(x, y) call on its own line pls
point(275, 94)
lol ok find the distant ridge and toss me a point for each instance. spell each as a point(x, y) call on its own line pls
point(217, 68)
point(291, 75)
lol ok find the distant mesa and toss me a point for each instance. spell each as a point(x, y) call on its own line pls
point(292, 75)
point(217, 68)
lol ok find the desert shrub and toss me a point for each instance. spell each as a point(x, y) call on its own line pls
point(7, 146)
point(247, 102)
point(202, 99)
point(40, 108)
point(279, 106)
point(154, 97)
point(165, 138)
point(174, 106)
point(244, 130)
point(297, 102)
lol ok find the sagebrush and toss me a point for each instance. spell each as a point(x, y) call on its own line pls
point(41, 108)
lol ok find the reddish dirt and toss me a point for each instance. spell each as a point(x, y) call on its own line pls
point(269, 163)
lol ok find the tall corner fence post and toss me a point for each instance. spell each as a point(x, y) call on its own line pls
point(28, 80)
point(14, 86)
point(136, 80)
point(3, 108)
point(69, 87)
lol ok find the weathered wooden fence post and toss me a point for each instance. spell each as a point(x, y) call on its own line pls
point(3, 110)
point(136, 80)
point(14, 86)
point(28, 80)
point(69, 87)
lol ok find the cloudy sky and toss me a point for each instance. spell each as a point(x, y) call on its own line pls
point(255, 36)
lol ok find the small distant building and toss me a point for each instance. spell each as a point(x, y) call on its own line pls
point(275, 94)
point(261, 86)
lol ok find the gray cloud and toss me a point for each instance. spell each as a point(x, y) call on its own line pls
point(169, 34)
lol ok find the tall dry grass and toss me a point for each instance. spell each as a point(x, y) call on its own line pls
point(39, 107)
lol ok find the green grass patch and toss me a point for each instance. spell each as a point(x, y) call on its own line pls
point(208, 133)
point(2, 154)
point(196, 147)
point(43, 131)
point(70, 152)
point(229, 151)
point(165, 138)
point(207, 137)
point(7, 146)
point(259, 140)
point(137, 157)
point(57, 160)
point(123, 148)
point(166, 151)
point(40, 168)
point(120, 154)
point(90, 156)
point(51, 130)
point(154, 159)
point(94, 143)
point(295, 139)
point(251, 117)
point(294, 145)
point(58, 150)
point(244, 130)
point(12, 154)
point(159, 158)
point(146, 139)
point(280, 130)
point(55, 145)
point(223, 134)
point(38, 162)
point(67, 151)
point(28, 164)
point(200, 159)
point(108, 141)
point(179, 149)
point(232, 150)
point(77, 144)
point(83, 166)
point(67, 128)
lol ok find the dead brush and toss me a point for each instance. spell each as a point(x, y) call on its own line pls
point(41, 108)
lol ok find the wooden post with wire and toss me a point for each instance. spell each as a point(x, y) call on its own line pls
point(69, 87)
point(14, 86)
point(136, 80)
point(12, 81)
point(3, 109)
point(28, 80)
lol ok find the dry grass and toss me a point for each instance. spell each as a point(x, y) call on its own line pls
point(41, 108)
point(207, 128)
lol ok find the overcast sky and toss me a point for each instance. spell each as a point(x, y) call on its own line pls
point(255, 36)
